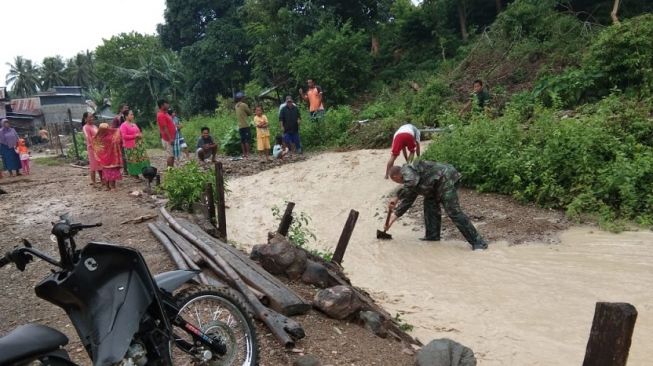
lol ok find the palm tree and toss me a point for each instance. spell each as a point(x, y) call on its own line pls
point(23, 77)
point(81, 69)
point(52, 72)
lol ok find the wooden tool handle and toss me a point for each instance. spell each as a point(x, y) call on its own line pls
point(387, 219)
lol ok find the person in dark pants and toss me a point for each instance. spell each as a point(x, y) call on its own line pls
point(290, 121)
point(438, 183)
point(206, 146)
point(242, 112)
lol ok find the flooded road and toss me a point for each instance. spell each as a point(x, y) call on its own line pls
point(528, 304)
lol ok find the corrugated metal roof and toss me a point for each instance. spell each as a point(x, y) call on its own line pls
point(26, 105)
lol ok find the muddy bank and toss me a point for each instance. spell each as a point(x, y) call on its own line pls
point(527, 304)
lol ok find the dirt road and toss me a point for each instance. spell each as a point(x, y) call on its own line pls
point(519, 305)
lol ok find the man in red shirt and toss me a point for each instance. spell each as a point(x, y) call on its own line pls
point(167, 129)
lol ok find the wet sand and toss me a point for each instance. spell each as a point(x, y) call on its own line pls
point(529, 304)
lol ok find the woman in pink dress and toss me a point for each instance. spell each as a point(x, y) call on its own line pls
point(90, 130)
point(132, 141)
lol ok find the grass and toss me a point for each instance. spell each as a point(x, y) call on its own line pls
point(49, 161)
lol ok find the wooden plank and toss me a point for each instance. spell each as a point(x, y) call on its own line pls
point(280, 297)
point(286, 219)
point(611, 334)
point(210, 203)
point(347, 230)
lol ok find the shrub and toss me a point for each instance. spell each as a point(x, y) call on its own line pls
point(624, 55)
point(185, 185)
point(598, 162)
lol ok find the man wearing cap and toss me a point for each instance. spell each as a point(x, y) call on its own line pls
point(242, 112)
point(406, 137)
point(290, 120)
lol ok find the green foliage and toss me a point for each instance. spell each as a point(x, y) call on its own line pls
point(185, 185)
point(403, 325)
point(81, 148)
point(337, 57)
point(597, 162)
point(49, 161)
point(624, 55)
point(300, 234)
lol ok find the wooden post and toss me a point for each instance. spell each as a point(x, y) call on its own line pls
point(219, 186)
point(286, 219)
point(611, 334)
point(345, 236)
point(56, 131)
point(210, 202)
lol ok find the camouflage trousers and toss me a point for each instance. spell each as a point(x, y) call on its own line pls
point(448, 197)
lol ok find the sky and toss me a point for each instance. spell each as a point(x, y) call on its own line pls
point(41, 28)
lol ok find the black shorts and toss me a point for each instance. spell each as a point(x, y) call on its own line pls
point(245, 135)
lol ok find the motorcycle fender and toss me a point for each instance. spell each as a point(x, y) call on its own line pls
point(170, 281)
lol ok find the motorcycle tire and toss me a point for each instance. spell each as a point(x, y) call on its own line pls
point(196, 302)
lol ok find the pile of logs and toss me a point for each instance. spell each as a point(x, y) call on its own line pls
point(271, 301)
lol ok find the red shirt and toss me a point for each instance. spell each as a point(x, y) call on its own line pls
point(166, 126)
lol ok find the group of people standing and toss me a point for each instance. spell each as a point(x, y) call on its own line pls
point(13, 150)
point(114, 148)
point(289, 119)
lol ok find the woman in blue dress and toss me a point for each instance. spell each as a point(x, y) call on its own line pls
point(8, 144)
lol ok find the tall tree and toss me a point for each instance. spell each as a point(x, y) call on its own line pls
point(23, 77)
point(462, 19)
point(81, 69)
point(52, 72)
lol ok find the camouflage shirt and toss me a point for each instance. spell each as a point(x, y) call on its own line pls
point(424, 178)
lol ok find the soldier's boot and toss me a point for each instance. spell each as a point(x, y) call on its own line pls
point(462, 222)
point(432, 219)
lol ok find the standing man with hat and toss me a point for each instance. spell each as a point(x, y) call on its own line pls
point(290, 120)
point(242, 112)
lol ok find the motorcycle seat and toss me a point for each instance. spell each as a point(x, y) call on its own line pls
point(29, 340)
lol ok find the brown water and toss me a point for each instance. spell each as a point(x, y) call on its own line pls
point(513, 305)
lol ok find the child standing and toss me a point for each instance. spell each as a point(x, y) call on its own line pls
point(23, 154)
point(280, 150)
point(262, 133)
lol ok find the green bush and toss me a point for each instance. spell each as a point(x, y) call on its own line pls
point(624, 55)
point(598, 162)
point(185, 185)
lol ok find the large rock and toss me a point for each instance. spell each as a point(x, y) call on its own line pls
point(280, 256)
point(445, 352)
point(307, 360)
point(338, 302)
point(374, 322)
point(316, 275)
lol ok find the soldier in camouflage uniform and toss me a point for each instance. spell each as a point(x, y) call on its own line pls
point(437, 182)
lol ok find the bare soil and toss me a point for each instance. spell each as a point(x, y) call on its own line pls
point(33, 202)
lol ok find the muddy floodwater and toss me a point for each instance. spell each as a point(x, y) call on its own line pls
point(528, 304)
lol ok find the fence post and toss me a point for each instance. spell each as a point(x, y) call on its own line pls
point(286, 219)
point(210, 202)
point(611, 334)
point(345, 236)
point(219, 186)
point(56, 131)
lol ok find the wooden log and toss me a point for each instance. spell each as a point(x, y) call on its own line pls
point(345, 236)
point(222, 275)
point(210, 203)
point(280, 297)
point(170, 248)
point(286, 219)
point(284, 329)
point(203, 278)
point(222, 210)
point(181, 242)
point(611, 334)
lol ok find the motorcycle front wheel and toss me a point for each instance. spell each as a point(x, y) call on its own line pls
point(220, 313)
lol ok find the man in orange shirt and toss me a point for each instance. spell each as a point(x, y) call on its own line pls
point(167, 129)
point(314, 98)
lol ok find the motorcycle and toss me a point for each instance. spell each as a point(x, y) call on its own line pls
point(124, 315)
